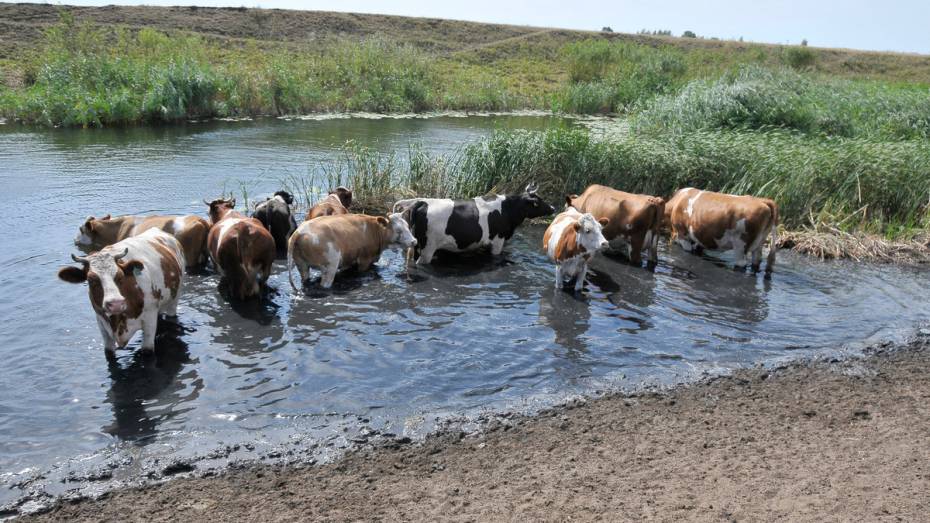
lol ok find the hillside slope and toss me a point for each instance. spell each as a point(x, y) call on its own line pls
point(21, 27)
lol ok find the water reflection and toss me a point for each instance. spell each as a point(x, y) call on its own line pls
point(143, 393)
point(568, 314)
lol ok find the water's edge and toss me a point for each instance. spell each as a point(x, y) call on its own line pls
point(451, 426)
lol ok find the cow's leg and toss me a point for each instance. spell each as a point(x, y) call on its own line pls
point(579, 279)
point(636, 251)
point(757, 258)
point(497, 246)
point(328, 275)
point(426, 255)
point(685, 244)
point(149, 327)
point(171, 308)
point(364, 264)
point(303, 269)
point(558, 276)
point(109, 344)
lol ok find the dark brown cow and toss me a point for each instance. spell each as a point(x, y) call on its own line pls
point(634, 219)
point(336, 203)
point(240, 247)
point(710, 220)
point(190, 230)
point(129, 284)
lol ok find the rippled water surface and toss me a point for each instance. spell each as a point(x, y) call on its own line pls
point(391, 348)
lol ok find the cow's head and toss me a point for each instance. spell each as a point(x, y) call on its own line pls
point(532, 205)
point(398, 231)
point(344, 195)
point(285, 197)
point(588, 232)
point(92, 231)
point(219, 208)
point(106, 274)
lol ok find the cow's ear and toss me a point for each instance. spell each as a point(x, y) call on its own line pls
point(577, 226)
point(604, 222)
point(384, 221)
point(72, 274)
point(133, 267)
point(107, 217)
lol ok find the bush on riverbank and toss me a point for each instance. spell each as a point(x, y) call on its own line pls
point(758, 98)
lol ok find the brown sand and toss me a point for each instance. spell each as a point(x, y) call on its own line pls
point(819, 442)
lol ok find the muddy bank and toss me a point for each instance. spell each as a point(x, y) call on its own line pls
point(830, 439)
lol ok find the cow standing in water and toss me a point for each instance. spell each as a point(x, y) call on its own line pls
point(441, 224)
point(336, 202)
point(191, 231)
point(129, 284)
point(275, 215)
point(635, 219)
point(710, 220)
point(570, 241)
point(241, 248)
point(334, 243)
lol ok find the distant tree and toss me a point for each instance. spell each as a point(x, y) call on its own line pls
point(606, 29)
point(689, 34)
point(741, 39)
point(804, 42)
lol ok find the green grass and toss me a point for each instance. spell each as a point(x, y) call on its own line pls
point(856, 184)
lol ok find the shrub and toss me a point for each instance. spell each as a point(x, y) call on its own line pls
point(799, 57)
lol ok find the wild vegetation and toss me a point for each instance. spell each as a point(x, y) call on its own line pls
point(838, 139)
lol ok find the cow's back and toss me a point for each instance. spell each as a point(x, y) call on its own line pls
point(350, 236)
point(629, 214)
point(707, 216)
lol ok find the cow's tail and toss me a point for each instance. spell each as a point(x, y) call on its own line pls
point(658, 216)
point(290, 261)
point(773, 246)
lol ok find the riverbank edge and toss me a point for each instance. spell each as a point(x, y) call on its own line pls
point(673, 453)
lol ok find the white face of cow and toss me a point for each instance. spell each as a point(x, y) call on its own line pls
point(589, 232)
point(400, 231)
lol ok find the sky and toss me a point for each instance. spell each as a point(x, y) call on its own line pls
point(888, 25)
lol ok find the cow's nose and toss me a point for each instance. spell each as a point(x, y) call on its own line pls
point(115, 306)
point(413, 242)
point(604, 244)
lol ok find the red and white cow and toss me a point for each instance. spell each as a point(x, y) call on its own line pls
point(570, 241)
point(336, 202)
point(190, 230)
point(241, 248)
point(334, 243)
point(710, 220)
point(635, 219)
point(129, 284)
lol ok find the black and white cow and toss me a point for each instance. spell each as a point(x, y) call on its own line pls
point(468, 225)
point(275, 214)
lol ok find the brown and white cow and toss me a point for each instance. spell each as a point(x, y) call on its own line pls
point(336, 202)
point(635, 219)
point(710, 220)
point(190, 230)
point(570, 241)
point(241, 248)
point(334, 243)
point(129, 284)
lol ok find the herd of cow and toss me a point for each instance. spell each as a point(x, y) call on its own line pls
point(136, 276)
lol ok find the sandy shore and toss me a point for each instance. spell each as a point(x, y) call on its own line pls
point(844, 441)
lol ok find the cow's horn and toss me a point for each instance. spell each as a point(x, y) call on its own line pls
point(121, 256)
point(206, 202)
point(232, 202)
point(79, 259)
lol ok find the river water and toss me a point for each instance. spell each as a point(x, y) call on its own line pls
point(387, 351)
